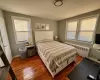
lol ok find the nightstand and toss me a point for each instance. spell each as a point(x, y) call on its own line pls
point(31, 50)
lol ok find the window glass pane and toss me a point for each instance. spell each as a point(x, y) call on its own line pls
point(85, 36)
point(21, 25)
point(71, 35)
point(72, 26)
point(22, 36)
point(88, 24)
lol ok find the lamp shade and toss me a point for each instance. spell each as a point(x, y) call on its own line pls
point(56, 37)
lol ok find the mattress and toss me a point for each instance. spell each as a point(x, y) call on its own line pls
point(55, 53)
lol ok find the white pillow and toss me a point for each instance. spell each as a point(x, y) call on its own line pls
point(45, 40)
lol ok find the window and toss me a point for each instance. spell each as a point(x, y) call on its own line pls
point(87, 29)
point(71, 30)
point(22, 29)
point(84, 31)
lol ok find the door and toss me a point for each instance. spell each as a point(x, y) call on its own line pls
point(1, 44)
point(4, 41)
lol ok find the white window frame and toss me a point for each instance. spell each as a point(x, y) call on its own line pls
point(78, 28)
point(21, 18)
point(71, 31)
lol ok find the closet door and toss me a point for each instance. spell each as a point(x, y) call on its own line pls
point(4, 40)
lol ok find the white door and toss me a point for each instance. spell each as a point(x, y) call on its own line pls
point(5, 42)
point(1, 44)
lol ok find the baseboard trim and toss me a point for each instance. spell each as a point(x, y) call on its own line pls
point(93, 59)
point(16, 56)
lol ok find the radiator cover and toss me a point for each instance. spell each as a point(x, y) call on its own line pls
point(82, 50)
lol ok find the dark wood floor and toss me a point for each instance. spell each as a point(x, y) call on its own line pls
point(34, 69)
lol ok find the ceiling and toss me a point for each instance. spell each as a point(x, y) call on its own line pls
point(46, 8)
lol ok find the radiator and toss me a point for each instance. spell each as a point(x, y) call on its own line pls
point(82, 50)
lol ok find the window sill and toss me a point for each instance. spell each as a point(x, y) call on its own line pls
point(20, 42)
point(80, 41)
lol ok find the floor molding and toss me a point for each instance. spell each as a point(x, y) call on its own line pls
point(16, 56)
point(93, 59)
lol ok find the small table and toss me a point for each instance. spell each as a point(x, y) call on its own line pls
point(30, 50)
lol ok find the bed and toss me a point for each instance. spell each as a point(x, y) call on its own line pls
point(55, 55)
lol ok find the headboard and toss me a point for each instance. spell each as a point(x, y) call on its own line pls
point(41, 35)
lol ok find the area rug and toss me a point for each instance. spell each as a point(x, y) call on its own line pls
point(82, 70)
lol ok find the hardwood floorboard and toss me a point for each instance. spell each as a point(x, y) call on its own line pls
point(34, 69)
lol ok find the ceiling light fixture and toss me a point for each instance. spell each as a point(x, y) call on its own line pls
point(58, 3)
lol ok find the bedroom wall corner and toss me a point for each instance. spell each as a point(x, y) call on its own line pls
point(34, 20)
point(62, 28)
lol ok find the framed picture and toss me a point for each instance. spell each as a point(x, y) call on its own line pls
point(38, 26)
point(47, 27)
point(42, 26)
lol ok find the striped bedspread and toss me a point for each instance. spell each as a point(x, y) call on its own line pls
point(55, 52)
